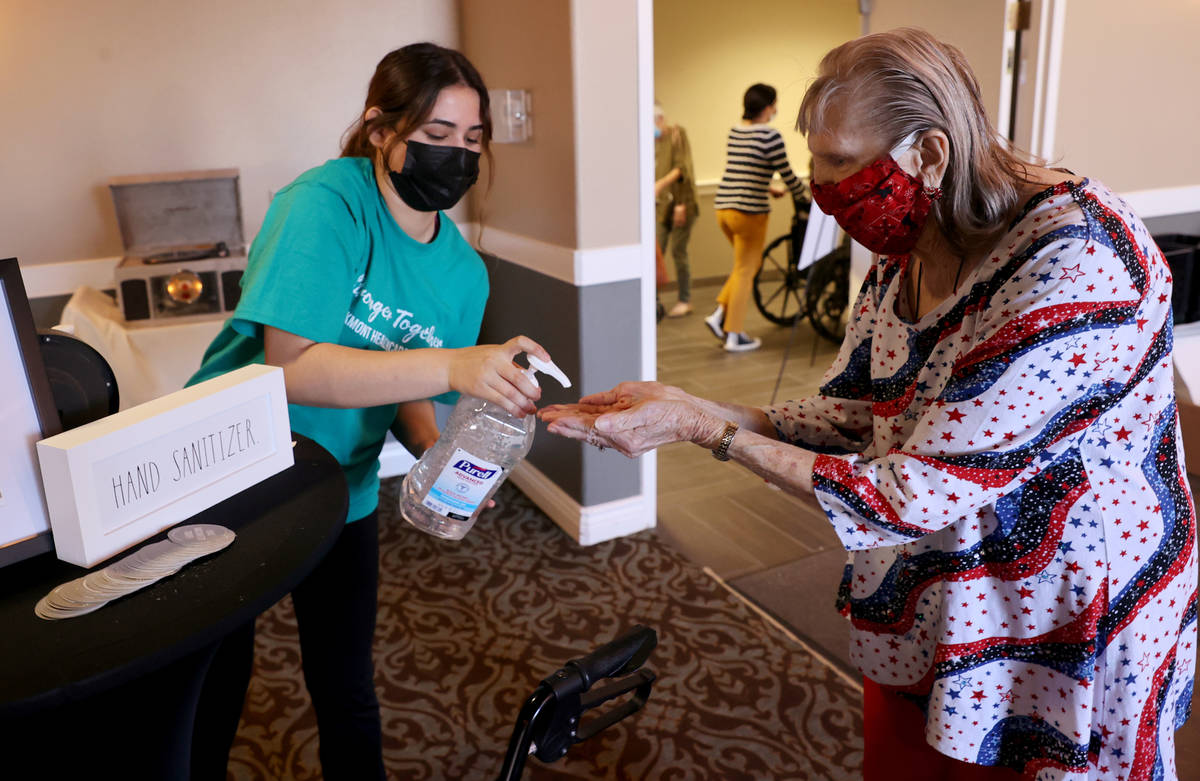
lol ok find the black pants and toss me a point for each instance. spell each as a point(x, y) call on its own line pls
point(335, 612)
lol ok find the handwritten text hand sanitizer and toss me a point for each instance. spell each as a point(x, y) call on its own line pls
point(444, 492)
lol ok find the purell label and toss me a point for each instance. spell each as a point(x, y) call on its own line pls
point(461, 486)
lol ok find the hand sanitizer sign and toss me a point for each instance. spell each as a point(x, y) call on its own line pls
point(462, 485)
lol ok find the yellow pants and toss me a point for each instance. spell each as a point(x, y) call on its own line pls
point(747, 233)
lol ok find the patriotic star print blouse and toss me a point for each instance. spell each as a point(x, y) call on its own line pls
point(1008, 477)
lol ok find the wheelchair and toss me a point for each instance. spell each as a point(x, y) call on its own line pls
point(784, 293)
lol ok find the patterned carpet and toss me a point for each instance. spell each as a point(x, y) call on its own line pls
point(466, 631)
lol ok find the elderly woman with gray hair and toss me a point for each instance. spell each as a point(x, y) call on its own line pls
point(996, 444)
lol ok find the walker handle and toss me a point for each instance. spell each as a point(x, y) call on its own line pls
point(623, 655)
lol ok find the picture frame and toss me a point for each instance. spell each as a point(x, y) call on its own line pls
point(29, 414)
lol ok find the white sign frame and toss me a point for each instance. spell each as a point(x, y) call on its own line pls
point(28, 411)
point(116, 481)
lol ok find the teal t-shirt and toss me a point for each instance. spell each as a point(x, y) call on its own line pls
point(331, 265)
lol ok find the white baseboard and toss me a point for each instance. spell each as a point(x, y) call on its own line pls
point(1164, 201)
point(587, 525)
point(61, 279)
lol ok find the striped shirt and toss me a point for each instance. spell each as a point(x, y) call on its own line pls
point(753, 154)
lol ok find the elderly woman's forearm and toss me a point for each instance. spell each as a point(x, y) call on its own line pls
point(749, 419)
point(784, 465)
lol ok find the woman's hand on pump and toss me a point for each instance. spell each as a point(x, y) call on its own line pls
point(487, 371)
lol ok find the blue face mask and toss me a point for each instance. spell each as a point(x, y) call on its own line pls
point(657, 132)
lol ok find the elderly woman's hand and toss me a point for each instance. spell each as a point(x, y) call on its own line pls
point(619, 398)
point(634, 418)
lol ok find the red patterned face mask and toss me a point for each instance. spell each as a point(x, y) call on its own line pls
point(882, 207)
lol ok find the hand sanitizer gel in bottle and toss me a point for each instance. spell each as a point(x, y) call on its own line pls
point(445, 490)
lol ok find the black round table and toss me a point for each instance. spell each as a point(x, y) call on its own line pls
point(116, 689)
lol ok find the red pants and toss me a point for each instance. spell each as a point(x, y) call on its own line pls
point(894, 747)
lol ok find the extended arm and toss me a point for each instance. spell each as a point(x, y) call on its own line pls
point(320, 374)
point(668, 179)
point(635, 418)
point(777, 155)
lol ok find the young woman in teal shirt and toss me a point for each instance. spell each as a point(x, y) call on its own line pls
point(367, 296)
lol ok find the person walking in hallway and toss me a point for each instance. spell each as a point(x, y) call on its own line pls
point(675, 203)
point(754, 153)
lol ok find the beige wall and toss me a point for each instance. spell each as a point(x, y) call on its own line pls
point(703, 63)
point(605, 63)
point(526, 44)
point(574, 184)
point(976, 27)
point(94, 90)
point(1127, 110)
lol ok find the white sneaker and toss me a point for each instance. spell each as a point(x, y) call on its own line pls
point(741, 343)
point(680, 309)
point(715, 321)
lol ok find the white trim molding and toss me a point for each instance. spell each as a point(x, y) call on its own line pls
point(645, 513)
point(61, 279)
point(1164, 201)
point(580, 267)
point(590, 524)
point(710, 186)
point(1050, 82)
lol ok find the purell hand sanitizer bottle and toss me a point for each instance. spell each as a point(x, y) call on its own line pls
point(444, 492)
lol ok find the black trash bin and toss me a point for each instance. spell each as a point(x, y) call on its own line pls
point(1180, 251)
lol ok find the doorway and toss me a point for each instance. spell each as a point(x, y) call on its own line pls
point(724, 518)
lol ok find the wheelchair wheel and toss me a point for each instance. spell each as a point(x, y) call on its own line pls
point(779, 287)
point(828, 294)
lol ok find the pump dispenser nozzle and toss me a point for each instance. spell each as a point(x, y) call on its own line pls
point(538, 365)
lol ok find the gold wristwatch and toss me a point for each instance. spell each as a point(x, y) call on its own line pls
point(721, 451)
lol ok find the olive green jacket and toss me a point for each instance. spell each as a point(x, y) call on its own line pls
point(671, 150)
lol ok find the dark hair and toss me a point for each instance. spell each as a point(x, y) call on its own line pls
point(756, 99)
point(405, 87)
point(904, 81)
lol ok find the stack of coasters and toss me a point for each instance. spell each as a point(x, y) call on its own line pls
point(147, 565)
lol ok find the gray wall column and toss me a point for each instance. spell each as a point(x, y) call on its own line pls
point(594, 335)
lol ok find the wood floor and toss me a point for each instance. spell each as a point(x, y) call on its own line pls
point(719, 514)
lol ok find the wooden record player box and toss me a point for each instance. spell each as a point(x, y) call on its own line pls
point(184, 251)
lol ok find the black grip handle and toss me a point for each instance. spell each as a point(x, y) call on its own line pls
point(623, 655)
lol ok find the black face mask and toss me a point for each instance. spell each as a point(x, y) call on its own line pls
point(435, 177)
